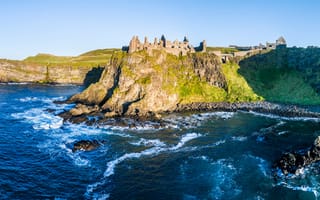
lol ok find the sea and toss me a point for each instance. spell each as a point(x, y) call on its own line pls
point(213, 155)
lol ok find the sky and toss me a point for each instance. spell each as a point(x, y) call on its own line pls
point(72, 27)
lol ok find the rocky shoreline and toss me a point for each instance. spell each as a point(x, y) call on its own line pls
point(95, 115)
point(263, 107)
point(294, 162)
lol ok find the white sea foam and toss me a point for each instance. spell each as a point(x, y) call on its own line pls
point(41, 99)
point(304, 188)
point(97, 196)
point(91, 195)
point(75, 156)
point(185, 139)
point(40, 119)
point(59, 198)
point(82, 129)
point(258, 198)
point(271, 129)
point(239, 138)
point(224, 186)
point(222, 115)
point(198, 148)
point(13, 83)
point(148, 152)
point(152, 151)
point(220, 175)
point(58, 148)
point(305, 180)
point(145, 126)
point(219, 142)
point(112, 164)
point(262, 164)
point(146, 142)
point(283, 132)
point(286, 118)
point(191, 121)
point(29, 99)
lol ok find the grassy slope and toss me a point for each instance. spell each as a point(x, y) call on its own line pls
point(283, 85)
point(183, 81)
point(90, 59)
point(273, 81)
point(238, 88)
point(226, 50)
point(271, 78)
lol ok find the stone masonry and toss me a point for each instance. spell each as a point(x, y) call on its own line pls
point(176, 47)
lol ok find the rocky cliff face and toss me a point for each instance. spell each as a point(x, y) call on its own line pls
point(17, 71)
point(140, 84)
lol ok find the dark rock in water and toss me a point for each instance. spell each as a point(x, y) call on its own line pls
point(293, 162)
point(86, 145)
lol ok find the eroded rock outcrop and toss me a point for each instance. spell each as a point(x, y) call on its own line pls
point(138, 84)
point(86, 145)
point(293, 162)
point(208, 68)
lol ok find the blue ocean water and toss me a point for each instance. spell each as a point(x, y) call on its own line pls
point(220, 155)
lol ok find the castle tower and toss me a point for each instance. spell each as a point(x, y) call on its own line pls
point(185, 39)
point(164, 41)
point(281, 43)
point(155, 41)
point(133, 45)
point(204, 46)
point(146, 41)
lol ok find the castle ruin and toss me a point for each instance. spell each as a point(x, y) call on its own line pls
point(176, 47)
point(280, 43)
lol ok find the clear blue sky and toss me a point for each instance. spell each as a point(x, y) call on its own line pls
point(71, 27)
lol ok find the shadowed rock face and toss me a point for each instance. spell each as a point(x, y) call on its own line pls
point(293, 162)
point(85, 145)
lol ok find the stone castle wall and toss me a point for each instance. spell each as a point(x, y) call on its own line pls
point(176, 47)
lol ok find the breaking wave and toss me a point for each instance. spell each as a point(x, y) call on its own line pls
point(194, 120)
point(148, 152)
point(307, 180)
point(40, 119)
point(152, 151)
point(285, 118)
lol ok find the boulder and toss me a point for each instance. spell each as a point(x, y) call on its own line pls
point(293, 162)
point(85, 145)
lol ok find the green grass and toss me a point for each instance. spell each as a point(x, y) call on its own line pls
point(226, 50)
point(47, 58)
point(286, 85)
point(270, 77)
point(182, 80)
point(238, 88)
point(95, 58)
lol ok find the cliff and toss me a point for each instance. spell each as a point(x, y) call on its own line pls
point(33, 73)
point(45, 68)
point(141, 83)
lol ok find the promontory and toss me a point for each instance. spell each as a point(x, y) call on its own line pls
point(151, 78)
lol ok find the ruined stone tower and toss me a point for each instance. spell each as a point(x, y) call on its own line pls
point(176, 48)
